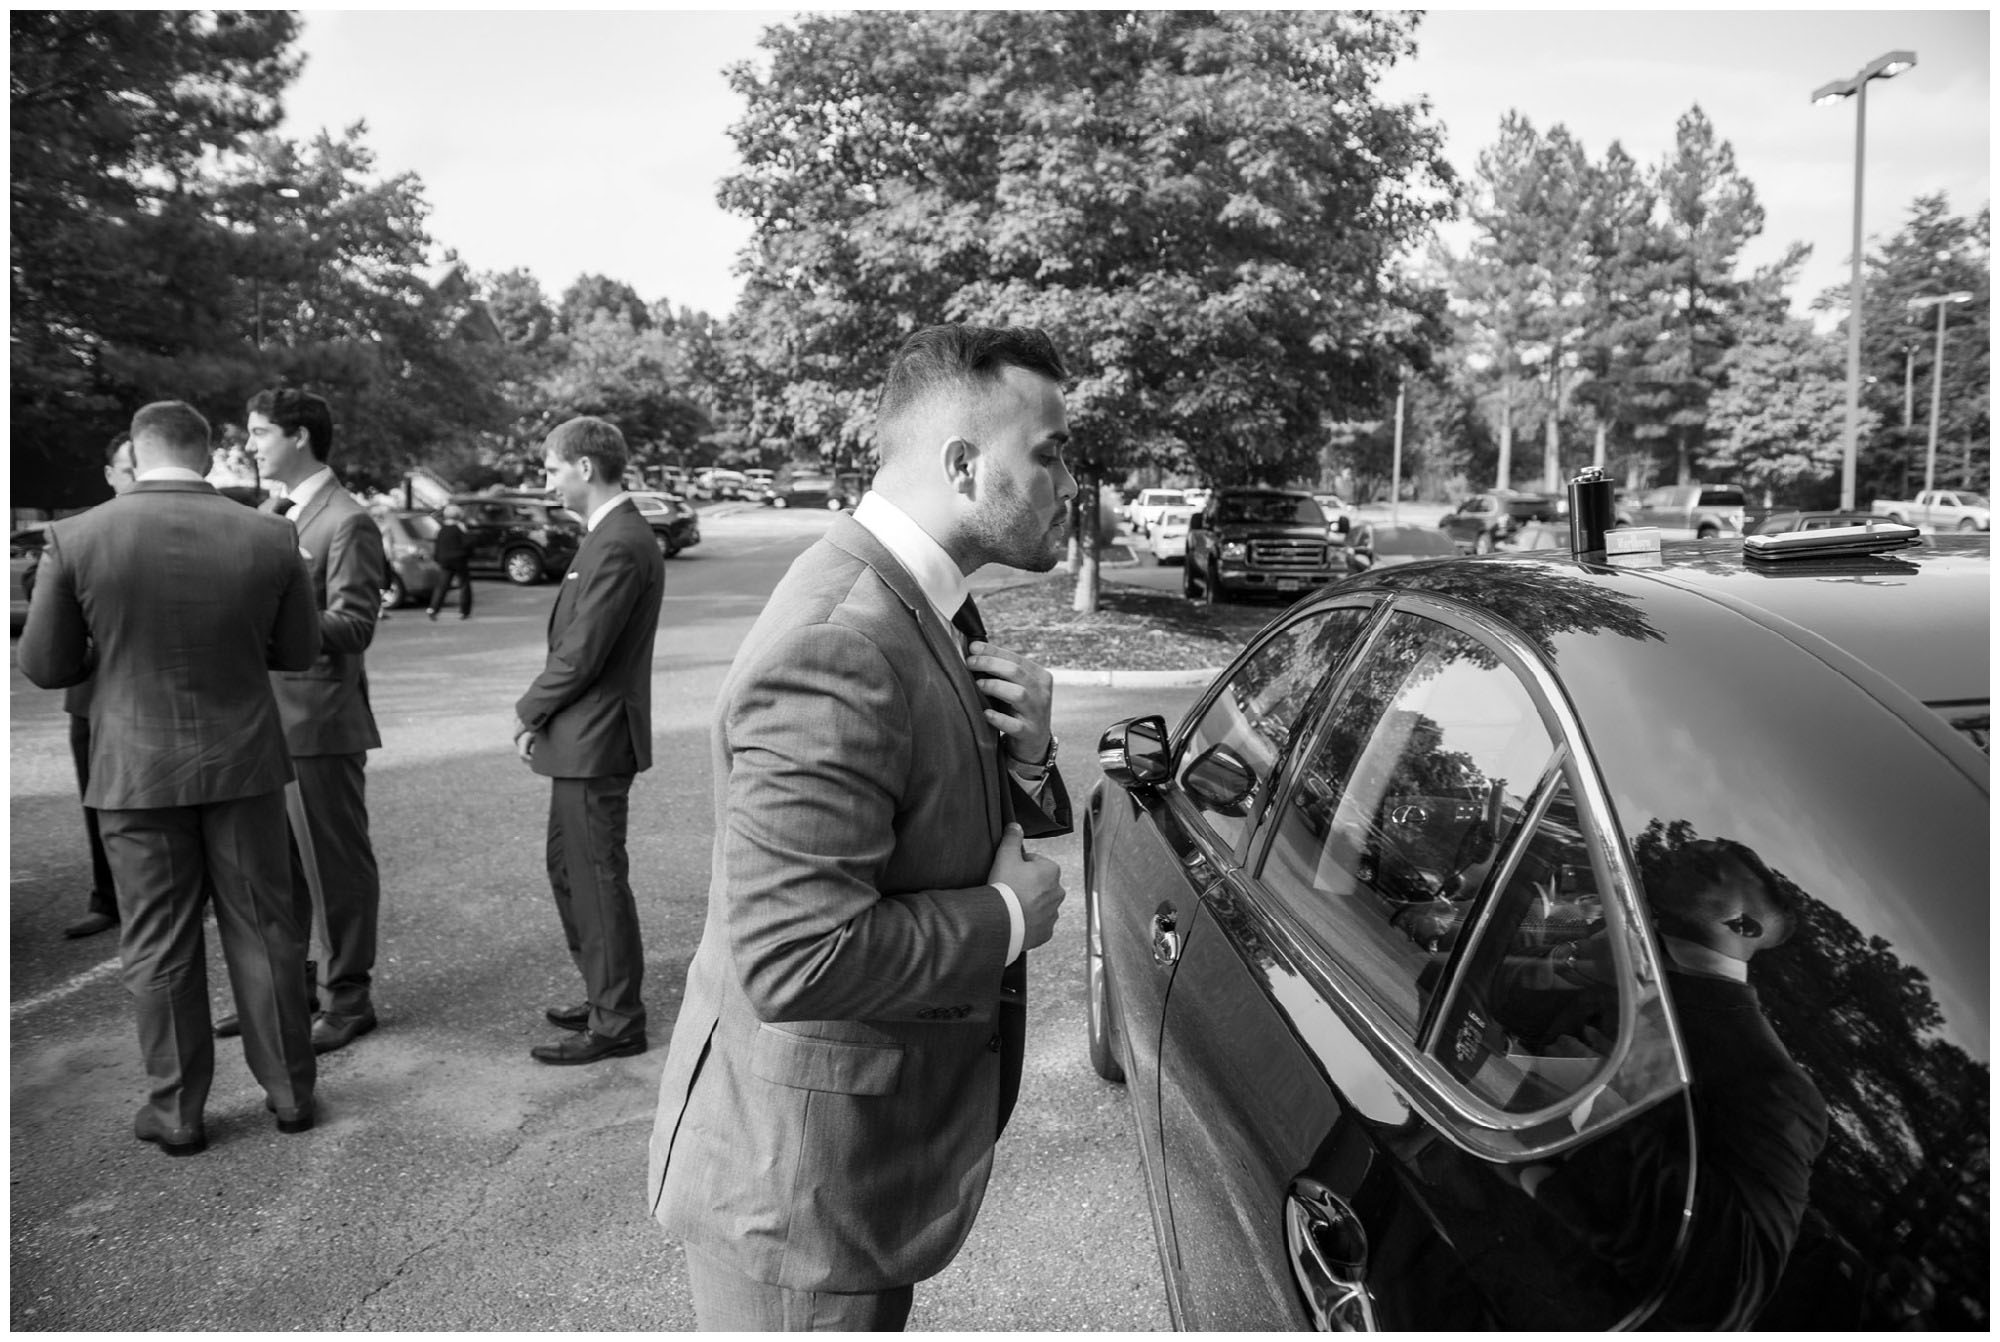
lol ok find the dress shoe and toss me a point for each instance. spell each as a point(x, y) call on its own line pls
point(90, 925)
point(331, 1032)
point(147, 1127)
point(433, 614)
point(588, 1047)
point(293, 1120)
point(576, 1018)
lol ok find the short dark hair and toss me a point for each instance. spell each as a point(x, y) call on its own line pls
point(118, 440)
point(598, 439)
point(291, 410)
point(1691, 889)
point(176, 425)
point(955, 355)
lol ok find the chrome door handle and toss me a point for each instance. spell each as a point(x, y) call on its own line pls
point(1328, 1250)
point(1166, 940)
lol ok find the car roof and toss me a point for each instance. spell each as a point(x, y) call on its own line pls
point(1918, 616)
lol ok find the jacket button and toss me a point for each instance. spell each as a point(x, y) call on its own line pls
point(993, 1044)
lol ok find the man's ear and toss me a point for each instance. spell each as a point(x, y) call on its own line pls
point(587, 467)
point(959, 456)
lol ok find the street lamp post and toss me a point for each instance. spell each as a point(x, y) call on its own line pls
point(1940, 302)
point(1882, 67)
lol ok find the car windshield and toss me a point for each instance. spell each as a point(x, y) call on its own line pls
point(1157, 498)
point(1282, 509)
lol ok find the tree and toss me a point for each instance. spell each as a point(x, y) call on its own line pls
point(1710, 214)
point(1778, 422)
point(1203, 210)
point(598, 295)
point(115, 248)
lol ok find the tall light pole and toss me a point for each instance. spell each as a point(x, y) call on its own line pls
point(1940, 302)
point(1882, 67)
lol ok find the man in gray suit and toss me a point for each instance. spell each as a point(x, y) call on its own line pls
point(329, 725)
point(850, 1042)
point(176, 601)
point(586, 724)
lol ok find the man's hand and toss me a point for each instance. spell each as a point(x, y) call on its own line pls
point(1036, 882)
point(1026, 689)
point(524, 741)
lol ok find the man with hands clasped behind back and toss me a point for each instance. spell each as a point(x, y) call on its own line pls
point(850, 1043)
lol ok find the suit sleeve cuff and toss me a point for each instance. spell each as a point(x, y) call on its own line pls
point(1017, 927)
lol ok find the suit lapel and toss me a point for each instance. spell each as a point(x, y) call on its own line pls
point(564, 608)
point(942, 640)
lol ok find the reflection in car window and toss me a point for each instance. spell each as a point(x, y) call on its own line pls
point(1423, 772)
point(1253, 715)
point(1538, 1013)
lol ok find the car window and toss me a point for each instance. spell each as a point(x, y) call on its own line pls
point(1722, 498)
point(1536, 1014)
point(1244, 731)
point(1403, 805)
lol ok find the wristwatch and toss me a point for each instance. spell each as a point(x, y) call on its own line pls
point(1044, 764)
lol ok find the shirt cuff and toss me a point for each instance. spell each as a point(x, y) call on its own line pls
point(1017, 926)
point(1031, 779)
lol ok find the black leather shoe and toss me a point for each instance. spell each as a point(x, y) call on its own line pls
point(331, 1032)
point(90, 925)
point(147, 1127)
point(588, 1047)
point(228, 1027)
point(293, 1120)
point(576, 1018)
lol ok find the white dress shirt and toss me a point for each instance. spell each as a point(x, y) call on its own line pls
point(302, 493)
point(599, 513)
point(944, 588)
point(168, 473)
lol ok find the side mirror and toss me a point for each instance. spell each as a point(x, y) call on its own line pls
point(1133, 753)
point(1220, 781)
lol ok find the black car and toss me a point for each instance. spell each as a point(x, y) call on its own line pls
point(521, 537)
point(1269, 541)
point(676, 523)
point(806, 489)
point(1483, 522)
point(1524, 943)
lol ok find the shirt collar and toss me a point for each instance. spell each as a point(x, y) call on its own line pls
point(168, 473)
point(942, 583)
point(599, 513)
point(304, 490)
point(1696, 958)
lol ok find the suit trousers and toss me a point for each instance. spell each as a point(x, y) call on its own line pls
point(344, 919)
point(726, 1301)
point(103, 894)
point(159, 857)
point(588, 875)
point(462, 573)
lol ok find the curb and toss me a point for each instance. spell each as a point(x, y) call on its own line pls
point(1133, 680)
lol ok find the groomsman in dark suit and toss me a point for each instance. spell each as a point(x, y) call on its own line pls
point(328, 723)
point(587, 725)
point(176, 601)
point(102, 912)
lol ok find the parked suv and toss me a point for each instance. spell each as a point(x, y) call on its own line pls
point(1690, 512)
point(1484, 521)
point(1258, 540)
point(523, 538)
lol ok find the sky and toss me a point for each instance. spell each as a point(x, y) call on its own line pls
point(573, 143)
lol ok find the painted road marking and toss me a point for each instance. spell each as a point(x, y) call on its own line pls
point(65, 989)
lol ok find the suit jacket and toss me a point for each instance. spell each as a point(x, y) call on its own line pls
point(175, 602)
point(325, 706)
point(593, 701)
point(837, 1074)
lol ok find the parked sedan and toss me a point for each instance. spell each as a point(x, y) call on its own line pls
point(676, 523)
point(1524, 943)
point(409, 543)
point(1170, 534)
point(1483, 522)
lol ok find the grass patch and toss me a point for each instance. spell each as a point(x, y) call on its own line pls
point(1133, 629)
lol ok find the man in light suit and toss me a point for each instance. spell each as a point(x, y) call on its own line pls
point(102, 913)
point(586, 724)
point(851, 1038)
point(176, 601)
point(328, 723)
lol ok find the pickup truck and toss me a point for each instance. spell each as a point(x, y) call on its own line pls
point(1939, 510)
point(1273, 541)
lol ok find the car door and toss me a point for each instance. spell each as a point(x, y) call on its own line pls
point(1385, 1099)
point(1167, 847)
point(486, 528)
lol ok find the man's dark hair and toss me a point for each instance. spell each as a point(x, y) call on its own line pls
point(119, 440)
point(291, 410)
point(954, 355)
point(1691, 889)
point(175, 425)
point(598, 439)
